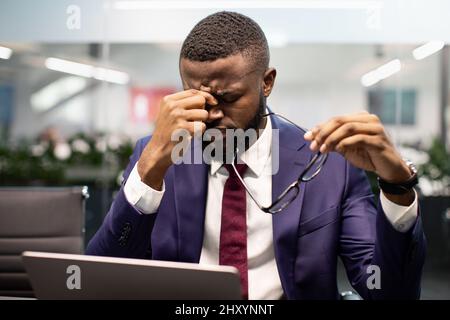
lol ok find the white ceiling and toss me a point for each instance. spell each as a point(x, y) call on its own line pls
point(301, 21)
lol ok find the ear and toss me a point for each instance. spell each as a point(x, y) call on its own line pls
point(269, 81)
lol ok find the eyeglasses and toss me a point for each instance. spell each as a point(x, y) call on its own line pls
point(311, 170)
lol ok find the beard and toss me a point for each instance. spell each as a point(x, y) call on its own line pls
point(254, 123)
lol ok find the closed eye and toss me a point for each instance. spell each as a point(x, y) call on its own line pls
point(228, 98)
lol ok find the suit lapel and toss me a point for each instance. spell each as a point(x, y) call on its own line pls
point(293, 158)
point(190, 188)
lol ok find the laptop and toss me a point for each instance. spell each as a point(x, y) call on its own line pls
point(71, 276)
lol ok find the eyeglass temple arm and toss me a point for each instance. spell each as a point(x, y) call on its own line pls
point(316, 156)
point(248, 190)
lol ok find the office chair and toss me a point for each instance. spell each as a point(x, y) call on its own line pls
point(37, 219)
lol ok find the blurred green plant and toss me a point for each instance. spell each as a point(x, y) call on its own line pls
point(437, 168)
point(48, 163)
point(18, 167)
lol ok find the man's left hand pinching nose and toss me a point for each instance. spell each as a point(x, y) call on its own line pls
point(362, 140)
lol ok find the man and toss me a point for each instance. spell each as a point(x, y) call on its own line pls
point(201, 213)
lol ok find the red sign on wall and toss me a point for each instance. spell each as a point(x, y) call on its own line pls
point(145, 102)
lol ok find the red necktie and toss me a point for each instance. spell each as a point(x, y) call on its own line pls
point(233, 230)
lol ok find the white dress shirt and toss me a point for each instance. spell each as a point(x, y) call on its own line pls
point(263, 279)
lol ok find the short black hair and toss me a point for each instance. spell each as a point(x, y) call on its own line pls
point(224, 34)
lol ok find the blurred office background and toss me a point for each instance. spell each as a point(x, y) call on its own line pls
point(80, 82)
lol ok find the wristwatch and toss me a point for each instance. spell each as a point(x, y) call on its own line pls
point(400, 188)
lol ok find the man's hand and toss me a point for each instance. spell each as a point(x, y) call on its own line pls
point(177, 111)
point(362, 140)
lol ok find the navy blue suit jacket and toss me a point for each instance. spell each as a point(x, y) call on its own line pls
point(333, 216)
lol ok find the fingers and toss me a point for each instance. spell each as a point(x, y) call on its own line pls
point(195, 127)
point(209, 98)
point(196, 115)
point(185, 110)
point(320, 133)
point(193, 102)
point(192, 127)
point(358, 140)
point(347, 130)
